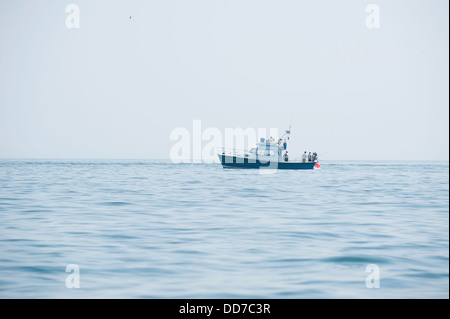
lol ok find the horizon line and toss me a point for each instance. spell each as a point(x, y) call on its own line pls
point(192, 160)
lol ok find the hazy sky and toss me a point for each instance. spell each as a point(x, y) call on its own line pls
point(116, 87)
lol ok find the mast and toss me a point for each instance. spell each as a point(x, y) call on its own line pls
point(288, 132)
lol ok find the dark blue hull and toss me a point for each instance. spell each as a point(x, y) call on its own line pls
point(240, 162)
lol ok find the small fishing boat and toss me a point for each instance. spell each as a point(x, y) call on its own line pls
point(265, 154)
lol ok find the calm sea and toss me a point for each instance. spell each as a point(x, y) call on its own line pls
point(149, 229)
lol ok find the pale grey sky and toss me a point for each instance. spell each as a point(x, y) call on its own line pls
point(116, 87)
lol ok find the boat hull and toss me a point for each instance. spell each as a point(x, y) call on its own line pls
point(229, 161)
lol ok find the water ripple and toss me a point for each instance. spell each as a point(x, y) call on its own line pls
point(156, 229)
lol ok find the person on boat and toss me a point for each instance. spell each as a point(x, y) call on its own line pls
point(284, 144)
point(309, 157)
point(314, 156)
point(286, 157)
point(304, 157)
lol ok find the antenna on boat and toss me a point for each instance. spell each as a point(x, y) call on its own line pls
point(288, 132)
point(290, 124)
point(292, 115)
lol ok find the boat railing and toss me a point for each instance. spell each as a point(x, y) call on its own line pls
point(232, 151)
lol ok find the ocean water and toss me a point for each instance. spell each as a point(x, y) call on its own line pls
point(149, 229)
